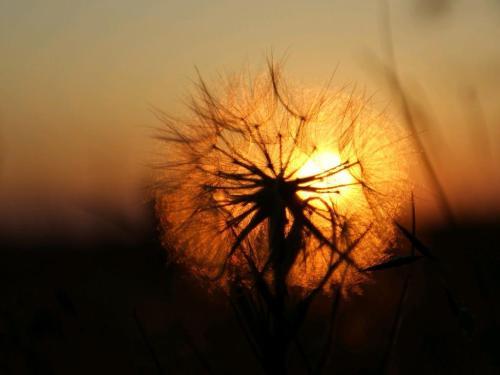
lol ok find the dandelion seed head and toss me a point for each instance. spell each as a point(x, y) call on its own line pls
point(252, 147)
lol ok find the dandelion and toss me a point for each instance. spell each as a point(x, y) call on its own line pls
point(292, 184)
point(276, 194)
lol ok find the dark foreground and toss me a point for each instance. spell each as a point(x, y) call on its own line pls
point(117, 307)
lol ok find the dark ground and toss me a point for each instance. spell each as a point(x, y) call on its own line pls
point(110, 307)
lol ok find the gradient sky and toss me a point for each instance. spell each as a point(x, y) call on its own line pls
point(78, 79)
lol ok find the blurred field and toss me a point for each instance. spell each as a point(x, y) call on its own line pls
point(114, 308)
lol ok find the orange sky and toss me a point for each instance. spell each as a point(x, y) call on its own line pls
point(78, 78)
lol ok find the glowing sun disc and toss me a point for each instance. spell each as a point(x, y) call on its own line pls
point(336, 186)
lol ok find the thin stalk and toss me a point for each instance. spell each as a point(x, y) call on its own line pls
point(398, 317)
point(323, 360)
point(277, 247)
point(409, 120)
point(148, 344)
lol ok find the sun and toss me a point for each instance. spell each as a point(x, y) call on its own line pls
point(332, 189)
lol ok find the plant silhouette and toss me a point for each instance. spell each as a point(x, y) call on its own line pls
point(239, 206)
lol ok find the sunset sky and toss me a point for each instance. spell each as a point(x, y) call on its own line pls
point(78, 79)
